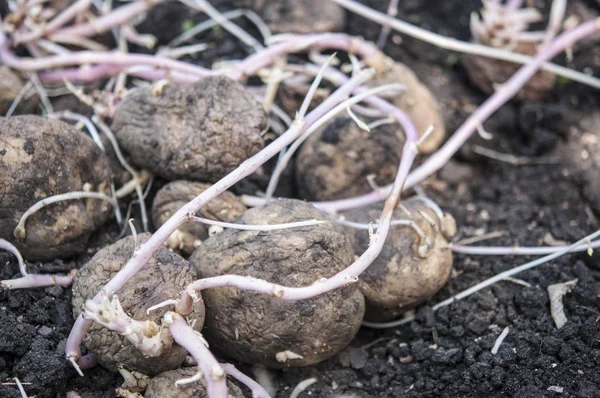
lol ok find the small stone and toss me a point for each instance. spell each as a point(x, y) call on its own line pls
point(45, 331)
point(358, 358)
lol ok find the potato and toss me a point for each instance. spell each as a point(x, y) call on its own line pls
point(417, 101)
point(163, 386)
point(170, 198)
point(41, 157)
point(307, 16)
point(334, 162)
point(487, 74)
point(400, 278)
point(581, 155)
point(260, 329)
point(163, 278)
point(200, 131)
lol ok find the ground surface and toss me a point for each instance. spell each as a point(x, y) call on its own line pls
point(446, 353)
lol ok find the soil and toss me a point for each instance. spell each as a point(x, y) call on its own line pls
point(444, 353)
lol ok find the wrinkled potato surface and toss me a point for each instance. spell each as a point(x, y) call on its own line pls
point(163, 278)
point(42, 157)
point(200, 131)
point(259, 329)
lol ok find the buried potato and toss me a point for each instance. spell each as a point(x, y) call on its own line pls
point(200, 131)
point(170, 198)
point(259, 329)
point(336, 162)
point(410, 268)
point(164, 386)
point(42, 157)
point(163, 278)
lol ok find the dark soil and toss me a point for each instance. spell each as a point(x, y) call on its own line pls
point(446, 353)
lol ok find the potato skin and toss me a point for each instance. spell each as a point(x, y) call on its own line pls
point(163, 386)
point(254, 328)
point(334, 162)
point(200, 131)
point(41, 157)
point(486, 74)
point(417, 101)
point(170, 198)
point(399, 279)
point(306, 16)
point(163, 278)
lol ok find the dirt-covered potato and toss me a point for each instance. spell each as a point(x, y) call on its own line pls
point(487, 74)
point(163, 386)
point(163, 278)
point(170, 198)
point(417, 101)
point(200, 131)
point(334, 162)
point(260, 329)
point(41, 157)
point(307, 16)
point(581, 155)
point(400, 277)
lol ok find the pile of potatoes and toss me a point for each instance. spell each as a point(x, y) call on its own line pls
point(189, 137)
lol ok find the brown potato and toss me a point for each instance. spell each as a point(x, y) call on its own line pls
point(163, 278)
point(170, 198)
point(400, 278)
point(260, 329)
point(334, 162)
point(487, 74)
point(41, 157)
point(417, 101)
point(163, 386)
point(200, 131)
point(307, 16)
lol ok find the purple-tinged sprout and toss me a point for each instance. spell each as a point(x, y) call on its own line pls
point(75, 9)
point(194, 343)
point(119, 16)
point(521, 251)
point(31, 280)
